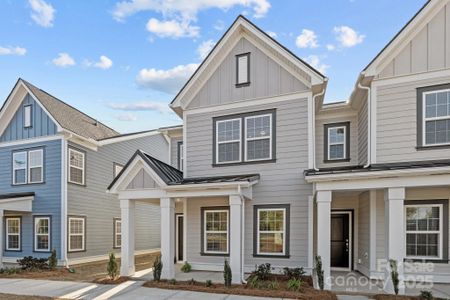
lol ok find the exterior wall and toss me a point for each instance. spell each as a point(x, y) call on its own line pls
point(427, 51)
point(101, 208)
point(174, 151)
point(397, 122)
point(362, 132)
point(142, 181)
point(364, 233)
point(42, 125)
point(47, 201)
point(266, 76)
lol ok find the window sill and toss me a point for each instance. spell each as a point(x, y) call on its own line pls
point(244, 163)
point(432, 147)
point(42, 251)
point(76, 251)
point(271, 256)
point(77, 184)
point(244, 84)
point(215, 254)
point(12, 250)
point(330, 161)
point(27, 184)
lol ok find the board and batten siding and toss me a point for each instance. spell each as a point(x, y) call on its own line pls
point(281, 182)
point(397, 122)
point(101, 208)
point(267, 79)
point(42, 125)
point(47, 200)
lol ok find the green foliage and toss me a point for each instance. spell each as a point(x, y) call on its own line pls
point(9, 271)
point(71, 270)
point(172, 281)
point(30, 263)
point(208, 283)
point(262, 271)
point(426, 295)
point(227, 274)
point(186, 268)
point(273, 285)
point(319, 271)
point(294, 284)
point(53, 260)
point(192, 281)
point(113, 269)
point(254, 282)
point(157, 268)
point(394, 275)
point(295, 273)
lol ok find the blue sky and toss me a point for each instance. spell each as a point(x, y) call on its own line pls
point(122, 61)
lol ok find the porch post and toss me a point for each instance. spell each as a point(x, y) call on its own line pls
point(127, 208)
point(2, 239)
point(395, 235)
point(323, 234)
point(235, 237)
point(167, 237)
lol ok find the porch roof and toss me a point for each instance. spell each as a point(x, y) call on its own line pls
point(17, 201)
point(16, 195)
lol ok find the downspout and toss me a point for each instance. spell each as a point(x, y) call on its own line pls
point(314, 126)
point(242, 241)
point(369, 122)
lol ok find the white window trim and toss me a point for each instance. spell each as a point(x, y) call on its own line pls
point(205, 246)
point(83, 234)
point(36, 221)
point(116, 234)
point(440, 231)
point(259, 231)
point(14, 169)
point(29, 119)
point(228, 142)
point(247, 66)
point(76, 167)
point(37, 166)
point(246, 139)
point(341, 143)
point(425, 119)
point(16, 234)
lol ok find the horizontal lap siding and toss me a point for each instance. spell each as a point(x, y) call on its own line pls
point(362, 133)
point(364, 230)
point(100, 208)
point(174, 151)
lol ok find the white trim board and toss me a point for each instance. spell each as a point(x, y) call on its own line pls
point(87, 259)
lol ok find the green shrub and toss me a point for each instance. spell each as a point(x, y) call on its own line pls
point(294, 284)
point(30, 263)
point(262, 271)
point(227, 277)
point(426, 295)
point(113, 269)
point(273, 285)
point(208, 283)
point(186, 268)
point(9, 271)
point(53, 260)
point(394, 274)
point(296, 273)
point(157, 268)
point(319, 272)
point(172, 281)
point(192, 281)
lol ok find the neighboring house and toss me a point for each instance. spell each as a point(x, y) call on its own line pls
point(56, 164)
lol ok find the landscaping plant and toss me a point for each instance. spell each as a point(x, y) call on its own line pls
point(254, 282)
point(53, 260)
point(262, 271)
point(227, 274)
point(273, 285)
point(294, 284)
point(426, 295)
point(113, 269)
point(186, 268)
point(30, 263)
point(319, 271)
point(157, 268)
point(294, 273)
point(172, 281)
point(394, 274)
point(208, 283)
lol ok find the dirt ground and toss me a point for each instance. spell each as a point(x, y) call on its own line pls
point(84, 272)
point(17, 297)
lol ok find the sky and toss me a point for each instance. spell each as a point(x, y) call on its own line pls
point(122, 61)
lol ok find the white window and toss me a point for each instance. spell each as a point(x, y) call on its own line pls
point(117, 169)
point(27, 116)
point(13, 234)
point(436, 125)
point(117, 233)
point(271, 235)
point(258, 137)
point(42, 234)
point(20, 163)
point(337, 142)
point(228, 141)
point(76, 166)
point(216, 231)
point(35, 166)
point(180, 156)
point(76, 234)
point(424, 231)
point(243, 68)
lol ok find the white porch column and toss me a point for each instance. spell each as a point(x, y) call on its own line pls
point(324, 233)
point(167, 237)
point(2, 239)
point(395, 234)
point(235, 237)
point(184, 229)
point(127, 208)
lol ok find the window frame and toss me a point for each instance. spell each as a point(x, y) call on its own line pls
point(204, 211)
point(346, 143)
point(425, 119)
point(246, 139)
point(246, 83)
point(14, 169)
point(7, 248)
point(29, 167)
point(83, 153)
point(35, 234)
point(180, 155)
point(115, 233)
point(83, 234)
point(217, 143)
point(30, 107)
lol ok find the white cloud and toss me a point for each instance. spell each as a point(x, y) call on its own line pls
point(63, 60)
point(272, 34)
point(316, 63)
point(168, 81)
point(127, 117)
point(141, 106)
point(204, 48)
point(347, 36)
point(104, 63)
point(186, 9)
point(172, 29)
point(12, 50)
point(307, 39)
point(220, 25)
point(331, 47)
point(43, 13)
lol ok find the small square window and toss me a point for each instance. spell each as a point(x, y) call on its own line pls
point(336, 141)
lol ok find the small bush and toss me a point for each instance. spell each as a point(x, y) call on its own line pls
point(113, 269)
point(294, 273)
point(208, 283)
point(30, 263)
point(254, 282)
point(227, 277)
point(426, 295)
point(53, 260)
point(192, 281)
point(319, 272)
point(273, 285)
point(394, 274)
point(157, 268)
point(172, 281)
point(186, 268)
point(9, 271)
point(262, 271)
point(294, 284)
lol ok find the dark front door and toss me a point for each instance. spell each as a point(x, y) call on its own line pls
point(180, 237)
point(340, 240)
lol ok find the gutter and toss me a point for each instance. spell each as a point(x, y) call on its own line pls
point(314, 125)
point(369, 120)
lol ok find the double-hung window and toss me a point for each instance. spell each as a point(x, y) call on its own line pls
point(117, 233)
point(424, 231)
point(76, 166)
point(28, 166)
point(35, 166)
point(337, 141)
point(215, 231)
point(228, 138)
point(42, 234)
point(13, 232)
point(20, 163)
point(436, 118)
point(271, 230)
point(258, 137)
point(77, 234)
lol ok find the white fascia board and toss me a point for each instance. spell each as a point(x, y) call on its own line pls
point(31, 140)
point(129, 137)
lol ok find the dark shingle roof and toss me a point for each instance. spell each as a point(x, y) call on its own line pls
point(71, 118)
point(16, 195)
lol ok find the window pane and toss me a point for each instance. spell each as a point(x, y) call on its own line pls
point(228, 130)
point(20, 160)
point(228, 152)
point(13, 241)
point(76, 175)
point(20, 176)
point(242, 69)
point(76, 242)
point(271, 243)
point(35, 175)
point(27, 116)
point(13, 226)
point(336, 151)
point(76, 226)
point(76, 159)
point(442, 104)
point(42, 226)
point(258, 149)
point(35, 158)
point(337, 135)
point(258, 127)
point(42, 242)
point(216, 242)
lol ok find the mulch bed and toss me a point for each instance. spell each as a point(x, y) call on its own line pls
point(20, 297)
point(107, 280)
